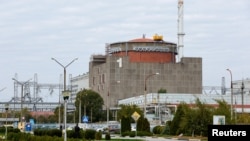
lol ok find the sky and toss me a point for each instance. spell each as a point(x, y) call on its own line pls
point(32, 32)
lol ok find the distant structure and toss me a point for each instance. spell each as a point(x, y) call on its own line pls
point(124, 70)
point(162, 106)
point(180, 30)
point(32, 89)
point(79, 83)
point(31, 95)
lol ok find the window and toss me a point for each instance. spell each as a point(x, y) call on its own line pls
point(103, 78)
point(93, 81)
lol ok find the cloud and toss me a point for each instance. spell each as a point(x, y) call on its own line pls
point(34, 31)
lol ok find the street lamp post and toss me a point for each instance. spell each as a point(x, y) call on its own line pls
point(22, 85)
point(6, 130)
point(242, 96)
point(65, 97)
point(85, 104)
point(108, 110)
point(64, 94)
point(81, 96)
point(231, 110)
point(145, 91)
point(80, 109)
point(6, 109)
point(34, 109)
point(108, 104)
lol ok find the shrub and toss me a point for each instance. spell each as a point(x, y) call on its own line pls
point(138, 133)
point(132, 134)
point(55, 132)
point(98, 135)
point(90, 134)
point(143, 124)
point(107, 136)
point(48, 132)
point(125, 133)
point(158, 129)
point(166, 130)
point(125, 124)
point(144, 133)
point(29, 137)
point(70, 134)
point(10, 129)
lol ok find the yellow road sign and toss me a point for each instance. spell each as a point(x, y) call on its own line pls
point(135, 116)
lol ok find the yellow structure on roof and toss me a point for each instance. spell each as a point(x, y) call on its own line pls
point(157, 37)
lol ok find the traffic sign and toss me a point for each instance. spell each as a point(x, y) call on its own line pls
point(85, 119)
point(135, 116)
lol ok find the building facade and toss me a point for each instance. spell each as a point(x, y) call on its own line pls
point(127, 68)
point(160, 107)
point(79, 83)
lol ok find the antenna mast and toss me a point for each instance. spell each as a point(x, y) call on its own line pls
point(180, 30)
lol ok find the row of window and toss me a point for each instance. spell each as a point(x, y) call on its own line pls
point(100, 80)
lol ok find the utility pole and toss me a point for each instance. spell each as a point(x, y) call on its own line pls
point(242, 96)
point(65, 96)
point(22, 86)
point(231, 85)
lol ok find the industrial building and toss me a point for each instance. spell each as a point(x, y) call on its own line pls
point(160, 107)
point(130, 68)
point(127, 70)
point(132, 72)
point(78, 83)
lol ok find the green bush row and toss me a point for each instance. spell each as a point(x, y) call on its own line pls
point(29, 137)
point(50, 132)
point(9, 129)
point(138, 133)
point(56, 135)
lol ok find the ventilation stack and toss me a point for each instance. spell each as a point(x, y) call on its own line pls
point(180, 30)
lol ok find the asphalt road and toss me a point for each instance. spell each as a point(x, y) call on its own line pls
point(151, 138)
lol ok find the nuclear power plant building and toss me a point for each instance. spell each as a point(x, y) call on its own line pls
point(143, 65)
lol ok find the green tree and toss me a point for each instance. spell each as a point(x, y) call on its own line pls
point(143, 124)
point(188, 124)
point(162, 90)
point(175, 127)
point(92, 102)
point(26, 114)
point(71, 117)
point(125, 124)
point(52, 119)
point(128, 110)
point(166, 130)
point(56, 112)
point(223, 109)
point(41, 119)
point(195, 119)
point(192, 120)
point(204, 117)
point(125, 113)
point(243, 118)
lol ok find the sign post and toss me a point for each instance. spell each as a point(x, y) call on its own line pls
point(219, 120)
point(136, 116)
